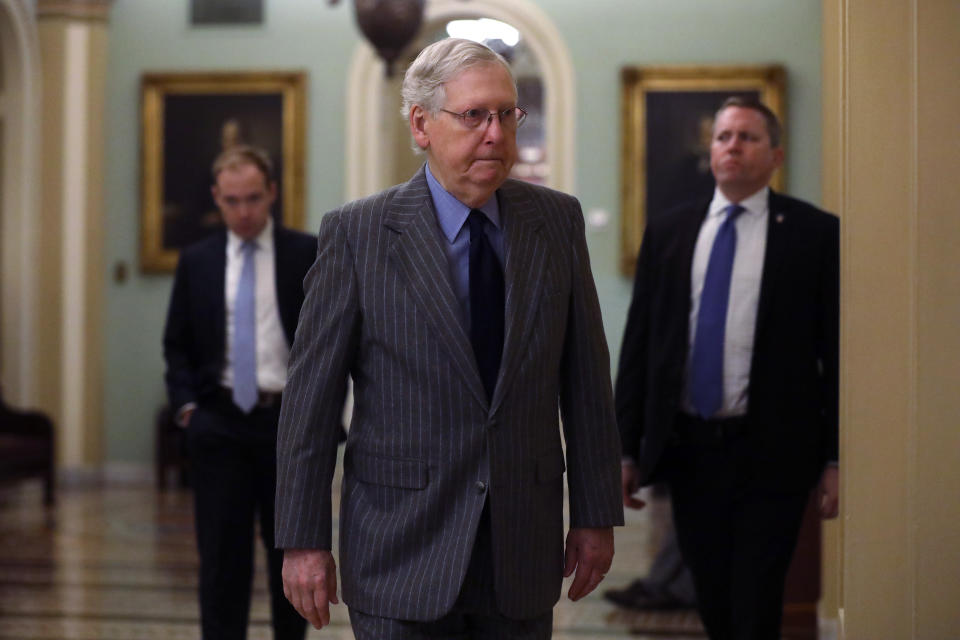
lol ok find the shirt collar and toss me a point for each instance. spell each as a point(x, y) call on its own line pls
point(755, 204)
point(451, 213)
point(264, 239)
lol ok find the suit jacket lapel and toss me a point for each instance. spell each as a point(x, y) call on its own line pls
point(217, 273)
point(777, 230)
point(525, 257)
point(687, 245)
point(772, 263)
point(422, 263)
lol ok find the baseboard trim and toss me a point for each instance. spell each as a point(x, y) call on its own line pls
point(116, 474)
point(829, 628)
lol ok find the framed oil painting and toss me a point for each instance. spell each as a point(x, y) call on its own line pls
point(667, 120)
point(187, 120)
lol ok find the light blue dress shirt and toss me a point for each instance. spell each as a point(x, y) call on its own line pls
point(452, 216)
point(751, 226)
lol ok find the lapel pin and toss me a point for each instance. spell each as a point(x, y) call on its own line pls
point(779, 217)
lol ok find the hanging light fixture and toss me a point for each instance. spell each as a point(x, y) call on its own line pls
point(389, 25)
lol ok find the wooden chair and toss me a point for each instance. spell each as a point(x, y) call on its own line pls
point(27, 448)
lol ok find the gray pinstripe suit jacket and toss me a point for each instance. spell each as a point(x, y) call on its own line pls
point(380, 308)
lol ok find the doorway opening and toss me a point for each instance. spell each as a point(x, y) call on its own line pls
point(378, 141)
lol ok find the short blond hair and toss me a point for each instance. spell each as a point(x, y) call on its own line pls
point(242, 154)
point(774, 128)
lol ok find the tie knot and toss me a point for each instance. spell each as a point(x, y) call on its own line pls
point(248, 247)
point(476, 221)
point(734, 210)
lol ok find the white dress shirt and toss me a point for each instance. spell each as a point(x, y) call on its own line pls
point(751, 226)
point(273, 352)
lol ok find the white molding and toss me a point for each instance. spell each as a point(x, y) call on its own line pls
point(828, 629)
point(76, 144)
point(364, 174)
point(128, 474)
point(364, 150)
point(19, 53)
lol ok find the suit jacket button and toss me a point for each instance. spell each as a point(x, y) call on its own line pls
point(481, 486)
point(491, 425)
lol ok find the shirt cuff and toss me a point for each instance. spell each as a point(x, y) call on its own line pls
point(182, 413)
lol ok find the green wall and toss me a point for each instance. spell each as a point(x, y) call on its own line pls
point(602, 36)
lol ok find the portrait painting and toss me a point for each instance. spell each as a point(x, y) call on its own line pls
point(188, 119)
point(667, 119)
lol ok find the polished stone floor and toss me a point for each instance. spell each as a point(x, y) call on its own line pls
point(118, 563)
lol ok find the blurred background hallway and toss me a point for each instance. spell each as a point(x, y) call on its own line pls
point(81, 316)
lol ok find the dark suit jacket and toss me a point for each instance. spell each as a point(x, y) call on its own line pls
point(793, 393)
point(426, 449)
point(194, 341)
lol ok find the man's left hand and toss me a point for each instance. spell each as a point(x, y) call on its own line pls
point(829, 492)
point(590, 552)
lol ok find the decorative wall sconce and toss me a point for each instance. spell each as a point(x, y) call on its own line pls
point(389, 25)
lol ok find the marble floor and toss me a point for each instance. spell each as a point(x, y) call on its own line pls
point(119, 563)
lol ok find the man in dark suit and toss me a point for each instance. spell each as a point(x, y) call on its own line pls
point(462, 305)
point(728, 384)
point(233, 312)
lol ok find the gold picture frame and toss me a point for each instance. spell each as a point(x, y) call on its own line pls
point(666, 112)
point(186, 120)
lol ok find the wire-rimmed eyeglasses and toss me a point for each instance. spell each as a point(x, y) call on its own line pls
point(475, 118)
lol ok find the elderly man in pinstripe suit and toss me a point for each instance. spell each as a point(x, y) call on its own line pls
point(462, 305)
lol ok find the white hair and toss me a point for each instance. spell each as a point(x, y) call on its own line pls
point(437, 64)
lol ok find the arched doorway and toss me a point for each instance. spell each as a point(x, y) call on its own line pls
point(19, 198)
point(374, 127)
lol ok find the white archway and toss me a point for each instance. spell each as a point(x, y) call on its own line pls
point(19, 199)
point(367, 170)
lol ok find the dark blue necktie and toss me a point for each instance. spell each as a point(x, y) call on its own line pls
point(486, 302)
point(245, 333)
point(706, 364)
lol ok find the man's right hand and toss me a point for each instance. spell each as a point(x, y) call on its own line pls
point(310, 583)
point(630, 483)
point(184, 414)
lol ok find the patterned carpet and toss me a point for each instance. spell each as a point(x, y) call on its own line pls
point(119, 563)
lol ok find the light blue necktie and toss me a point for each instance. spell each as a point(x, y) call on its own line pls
point(706, 364)
point(245, 333)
